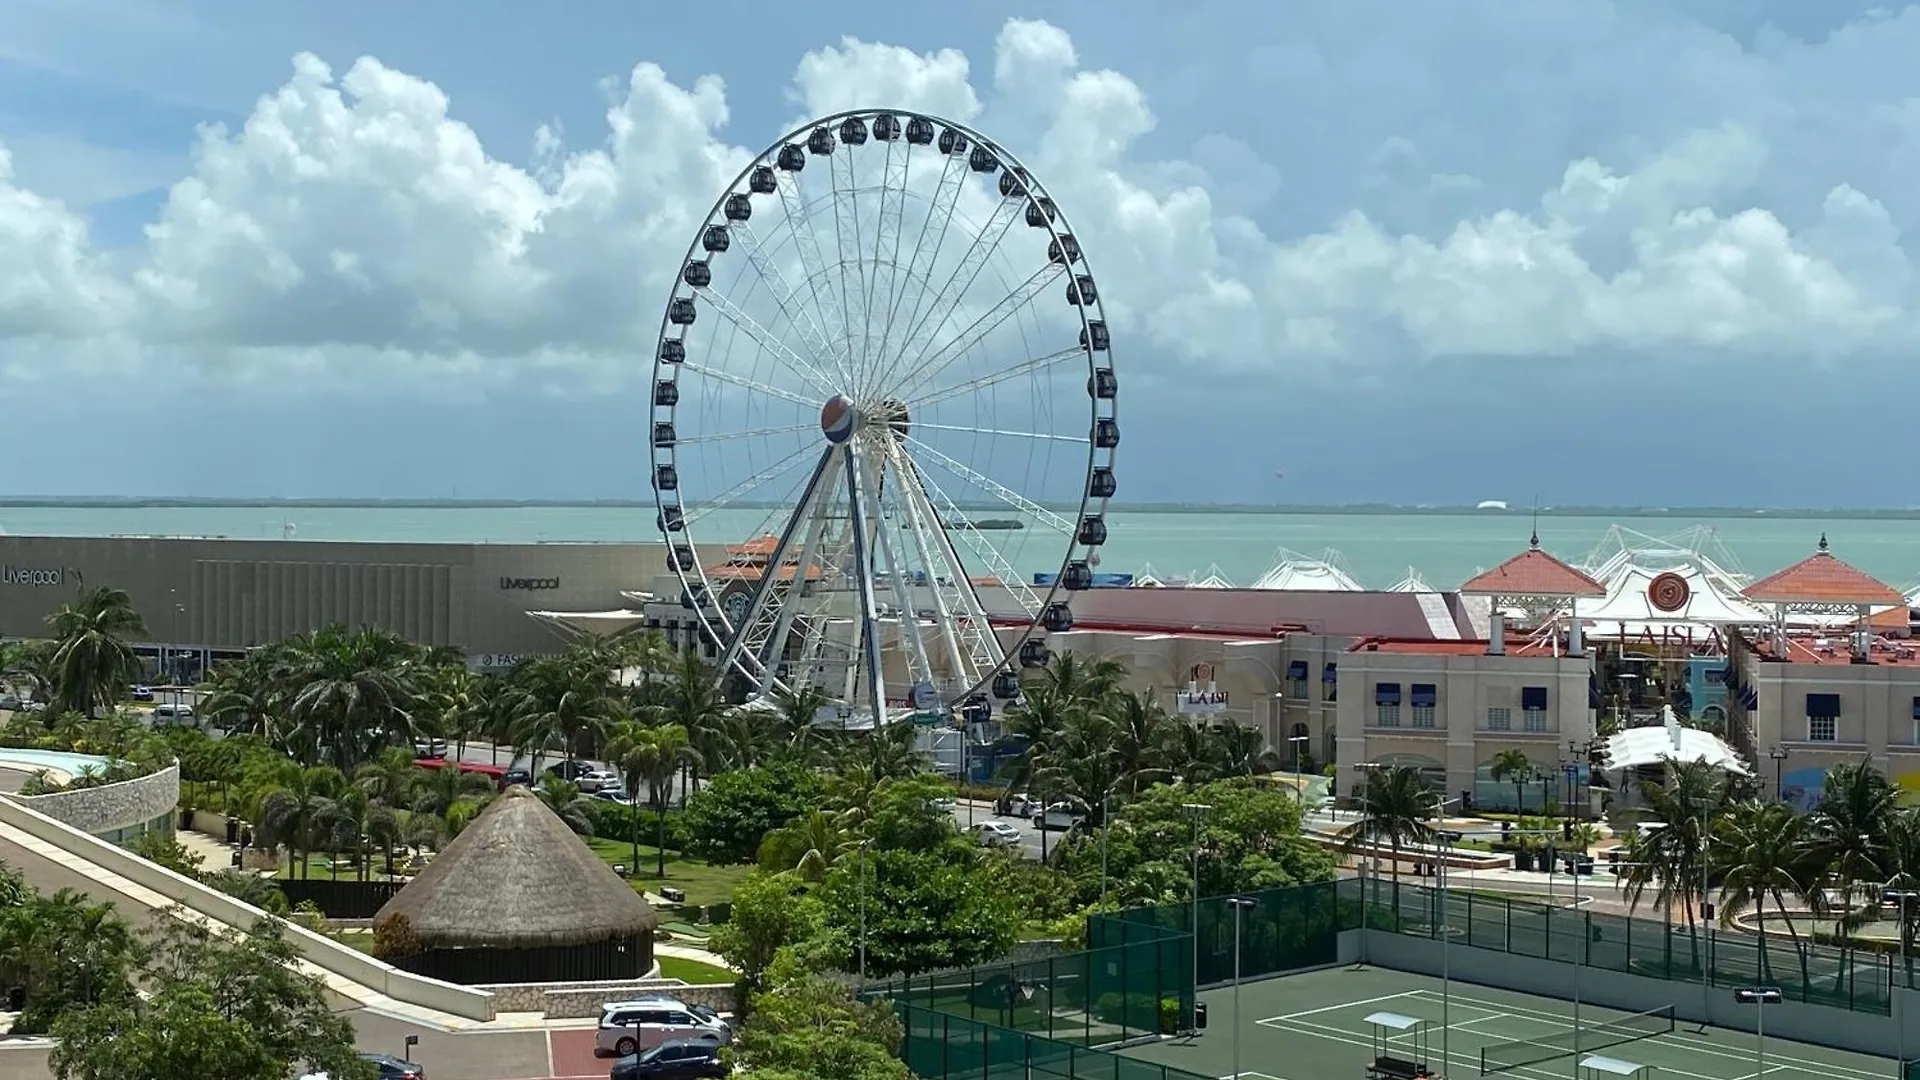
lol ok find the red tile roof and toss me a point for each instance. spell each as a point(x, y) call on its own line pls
point(1822, 579)
point(1533, 573)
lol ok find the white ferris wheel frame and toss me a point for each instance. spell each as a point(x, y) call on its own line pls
point(963, 630)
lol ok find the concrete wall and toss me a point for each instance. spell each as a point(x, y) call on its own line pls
point(233, 594)
point(321, 951)
point(569, 1000)
point(110, 808)
point(1864, 1032)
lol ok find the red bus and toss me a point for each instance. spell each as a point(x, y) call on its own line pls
point(495, 773)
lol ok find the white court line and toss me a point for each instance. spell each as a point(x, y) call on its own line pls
point(1341, 1035)
point(1820, 1068)
point(1343, 1005)
point(1457, 1025)
point(1250, 1072)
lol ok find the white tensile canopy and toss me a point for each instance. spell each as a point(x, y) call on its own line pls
point(591, 623)
point(1709, 603)
point(1670, 740)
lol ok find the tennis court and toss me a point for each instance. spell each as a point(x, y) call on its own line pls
point(1313, 1027)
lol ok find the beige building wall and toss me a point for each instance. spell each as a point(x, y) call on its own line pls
point(1876, 724)
point(225, 594)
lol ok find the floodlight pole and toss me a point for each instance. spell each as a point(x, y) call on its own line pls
point(1365, 769)
point(1194, 813)
point(1450, 838)
point(1903, 897)
point(1240, 904)
point(1759, 997)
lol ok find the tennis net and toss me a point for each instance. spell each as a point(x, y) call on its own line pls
point(1595, 1036)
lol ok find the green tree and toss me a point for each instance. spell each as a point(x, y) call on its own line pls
point(1759, 854)
point(805, 1026)
point(290, 811)
point(1672, 859)
point(1395, 811)
point(93, 662)
point(729, 818)
point(770, 913)
point(653, 755)
point(564, 799)
point(216, 1008)
point(916, 911)
point(808, 846)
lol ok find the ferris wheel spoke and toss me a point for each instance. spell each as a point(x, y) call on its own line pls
point(751, 483)
point(782, 292)
point(946, 196)
point(946, 509)
point(1013, 498)
point(921, 372)
point(1030, 367)
point(997, 432)
point(806, 242)
point(732, 436)
point(895, 183)
point(765, 338)
point(745, 383)
point(764, 596)
point(907, 612)
point(852, 264)
point(928, 323)
point(868, 629)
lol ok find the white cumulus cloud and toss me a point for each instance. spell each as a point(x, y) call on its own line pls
point(353, 224)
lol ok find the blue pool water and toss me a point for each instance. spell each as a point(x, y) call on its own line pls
point(50, 759)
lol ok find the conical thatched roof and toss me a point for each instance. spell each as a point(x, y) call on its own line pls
point(517, 877)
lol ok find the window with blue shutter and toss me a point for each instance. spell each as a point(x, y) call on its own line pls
point(1533, 708)
point(1423, 698)
point(1386, 704)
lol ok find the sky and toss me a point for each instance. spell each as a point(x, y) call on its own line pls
point(1639, 252)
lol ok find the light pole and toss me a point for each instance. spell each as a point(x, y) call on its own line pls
point(1759, 997)
point(1240, 904)
point(1106, 818)
point(1365, 769)
point(860, 871)
point(1449, 838)
point(1779, 756)
point(1194, 813)
point(1295, 741)
point(1903, 897)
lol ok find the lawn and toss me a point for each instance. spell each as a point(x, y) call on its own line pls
point(694, 972)
point(703, 884)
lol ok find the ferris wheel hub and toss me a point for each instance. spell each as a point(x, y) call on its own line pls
point(838, 418)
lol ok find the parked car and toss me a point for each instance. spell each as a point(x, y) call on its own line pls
point(430, 748)
point(515, 776)
point(675, 1059)
point(9, 702)
point(174, 716)
point(1060, 815)
point(945, 805)
point(570, 771)
point(1021, 805)
point(996, 834)
point(595, 779)
point(141, 693)
point(391, 1068)
point(614, 794)
point(628, 1027)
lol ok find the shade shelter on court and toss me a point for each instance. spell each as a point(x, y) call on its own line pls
point(517, 897)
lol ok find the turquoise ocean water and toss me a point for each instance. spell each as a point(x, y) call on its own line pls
point(1376, 548)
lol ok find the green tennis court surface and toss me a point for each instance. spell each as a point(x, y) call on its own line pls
point(1312, 1027)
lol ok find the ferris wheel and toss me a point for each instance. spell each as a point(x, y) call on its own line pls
point(883, 419)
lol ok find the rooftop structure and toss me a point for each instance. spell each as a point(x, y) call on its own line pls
point(1292, 570)
point(1532, 580)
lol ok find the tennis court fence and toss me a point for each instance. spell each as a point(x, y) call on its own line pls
point(1860, 980)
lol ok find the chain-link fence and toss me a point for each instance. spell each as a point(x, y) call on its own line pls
point(1856, 979)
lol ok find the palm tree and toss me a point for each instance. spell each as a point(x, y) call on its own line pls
point(391, 777)
point(1396, 812)
point(565, 800)
point(653, 754)
point(92, 663)
point(1143, 734)
point(1513, 764)
point(808, 846)
point(567, 700)
point(1673, 856)
point(351, 692)
point(1847, 836)
point(690, 696)
point(1759, 854)
point(353, 821)
point(290, 812)
point(437, 791)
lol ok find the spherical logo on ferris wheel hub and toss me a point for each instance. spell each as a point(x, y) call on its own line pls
point(837, 417)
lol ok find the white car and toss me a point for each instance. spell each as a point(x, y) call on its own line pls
point(996, 834)
point(592, 780)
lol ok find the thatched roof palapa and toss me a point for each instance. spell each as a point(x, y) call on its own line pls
point(516, 878)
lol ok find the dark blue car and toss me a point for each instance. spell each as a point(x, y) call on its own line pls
point(675, 1059)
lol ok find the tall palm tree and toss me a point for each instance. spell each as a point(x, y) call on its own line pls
point(652, 754)
point(391, 777)
point(1759, 854)
point(435, 792)
point(1143, 736)
point(1672, 858)
point(566, 702)
point(289, 813)
point(349, 693)
point(1847, 837)
point(565, 800)
point(689, 695)
point(92, 663)
point(1396, 812)
point(1513, 765)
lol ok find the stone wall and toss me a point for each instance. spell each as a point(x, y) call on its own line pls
point(564, 1000)
point(109, 808)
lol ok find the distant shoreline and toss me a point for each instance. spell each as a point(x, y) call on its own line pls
point(1678, 513)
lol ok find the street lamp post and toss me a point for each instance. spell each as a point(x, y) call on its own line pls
point(1779, 756)
point(1364, 768)
point(1904, 898)
point(860, 871)
point(1449, 838)
point(1759, 997)
point(1296, 742)
point(1240, 905)
point(1194, 813)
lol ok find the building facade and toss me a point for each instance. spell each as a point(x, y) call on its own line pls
point(205, 598)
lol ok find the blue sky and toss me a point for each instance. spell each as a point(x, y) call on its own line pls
point(1632, 252)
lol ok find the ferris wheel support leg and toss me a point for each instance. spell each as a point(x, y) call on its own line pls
point(869, 609)
point(985, 645)
point(802, 570)
point(917, 525)
point(763, 589)
point(909, 619)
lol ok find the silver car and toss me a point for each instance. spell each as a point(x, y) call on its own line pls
point(629, 1027)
